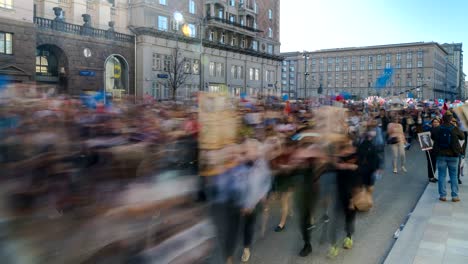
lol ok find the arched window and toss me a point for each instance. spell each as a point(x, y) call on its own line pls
point(46, 62)
point(116, 77)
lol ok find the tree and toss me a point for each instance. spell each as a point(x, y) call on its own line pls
point(176, 68)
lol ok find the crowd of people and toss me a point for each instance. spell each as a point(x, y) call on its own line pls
point(63, 157)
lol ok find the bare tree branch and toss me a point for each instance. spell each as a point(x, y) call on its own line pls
point(176, 72)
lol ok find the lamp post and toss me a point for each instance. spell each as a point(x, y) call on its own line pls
point(305, 55)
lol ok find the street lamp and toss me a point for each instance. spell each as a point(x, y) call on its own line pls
point(305, 55)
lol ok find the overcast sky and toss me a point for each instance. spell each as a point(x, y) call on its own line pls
point(323, 24)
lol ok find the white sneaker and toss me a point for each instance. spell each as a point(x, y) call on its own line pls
point(404, 169)
point(245, 255)
point(395, 171)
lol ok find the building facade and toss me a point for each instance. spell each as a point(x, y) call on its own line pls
point(455, 56)
point(228, 45)
point(417, 68)
point(17, 40)
point(41, 46)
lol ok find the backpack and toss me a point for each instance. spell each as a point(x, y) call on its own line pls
point(445, 137)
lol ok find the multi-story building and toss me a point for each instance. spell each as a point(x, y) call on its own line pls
point(221, 45)
point(455, 56)
point(70, 45)
point(375, 70)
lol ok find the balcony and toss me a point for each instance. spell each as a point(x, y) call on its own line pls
point(48, 24)
point(246, 9)
point(206, 43)
point(234, 24)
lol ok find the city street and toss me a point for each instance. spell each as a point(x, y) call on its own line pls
point(395, 197)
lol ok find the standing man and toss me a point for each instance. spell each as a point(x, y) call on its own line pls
point(447, 147)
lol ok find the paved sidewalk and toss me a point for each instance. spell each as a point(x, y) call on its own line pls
point(436, 232)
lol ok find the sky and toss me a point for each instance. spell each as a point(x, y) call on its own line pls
point(324, 24)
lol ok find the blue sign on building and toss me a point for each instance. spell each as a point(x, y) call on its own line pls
point(88, 73)
point(163, 76)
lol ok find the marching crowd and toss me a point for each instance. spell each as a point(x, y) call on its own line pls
point(59, 148)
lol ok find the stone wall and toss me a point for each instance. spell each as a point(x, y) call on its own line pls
point(73, 47)
point(20, 65)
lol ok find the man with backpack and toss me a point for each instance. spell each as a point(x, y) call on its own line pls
point(448, 150)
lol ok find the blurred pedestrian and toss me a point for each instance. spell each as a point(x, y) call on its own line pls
point(397, 141)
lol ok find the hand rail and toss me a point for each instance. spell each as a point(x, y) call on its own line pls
point(81, 30)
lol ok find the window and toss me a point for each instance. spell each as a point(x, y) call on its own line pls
point(6, 43)
point(291, 68)
point(257, 74)
point(251, 74)
point(388, 65)
point(345, 76)
point(192, 30)
point(270, 33)
point(270, 49)
point(187, 66)
point(162, 23)
point(284, 75)
point(211, 37)
point(378, 66)
point(420, 64)
point(389, 57)
point(345, 59)
point(232, 2)
point(221, 13)
point(398, 57)
point(321, 68)
point(242, 21)
point(6, 4)
point(291, 75)
point(192, 6)
point(270, 14)
point(240, 72)
point(337, 60)
point(337, 76)
point(255, 45)
point(398, 65)
point(363, 59)
point(196, 67)
point(314, 61)
point(243, 43)
point(167, 63)
point(345, 67)
point(222, 40)
point(361, 67)
point(156, 62)
point(371, 66)
point(233, 72)
point(330, 60)
point(371, 59)
point(163, 2)
point(232, 18)
point(337, 67)
point(409, 55)
point(353, 66)
point(321, 60)
point(353, 59)
point(409, 65)
point(409, 75)
point(420, 54)
point(219, 69)
point(329, 67)
point(212, 69)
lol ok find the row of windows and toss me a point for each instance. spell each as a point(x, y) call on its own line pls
point(370, 58)
point(362, 67)
point(164, 63)
point(346, 84)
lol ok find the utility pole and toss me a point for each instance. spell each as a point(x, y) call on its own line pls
point(306, 57)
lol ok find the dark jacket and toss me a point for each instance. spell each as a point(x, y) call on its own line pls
point(455, 149)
